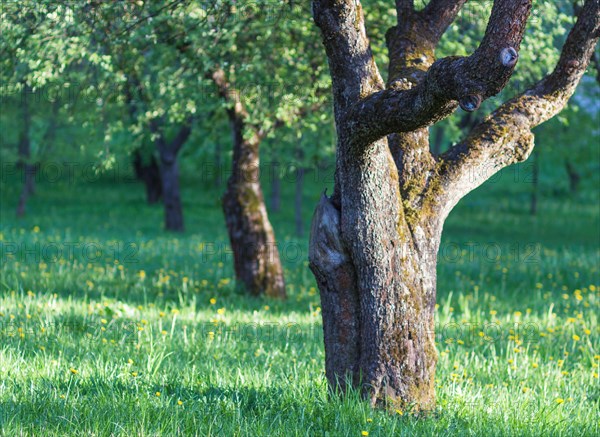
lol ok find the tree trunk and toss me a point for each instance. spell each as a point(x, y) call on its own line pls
point(256, 256)
point(218, 165)
point(376, 273)
point(574, 176)
point(534, 183)
point(169, 174)
point(149, 174)
point(298, 201)
point(275, 187)
point(29, 170)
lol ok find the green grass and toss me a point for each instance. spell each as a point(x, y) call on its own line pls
point(88, 344)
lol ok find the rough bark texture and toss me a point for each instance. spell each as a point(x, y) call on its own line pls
point(256, 256)
point(149, 174)
point(374, 243)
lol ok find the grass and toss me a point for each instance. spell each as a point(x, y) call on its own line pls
point(110, 326)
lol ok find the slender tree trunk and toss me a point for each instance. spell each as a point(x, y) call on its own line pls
point(275, 187)
point(149, 174)
point(219, 165)
point(256, 256)
point(298, 201)
point(574, 176)
point(169, 174)
point(534, 183)
point(29, 170)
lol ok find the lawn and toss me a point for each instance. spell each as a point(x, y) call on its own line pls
point(109, 326)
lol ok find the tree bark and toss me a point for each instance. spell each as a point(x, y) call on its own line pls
point(255, 253)
point(256, 256)
point(298, 201)
point(169, 175)
point(149, 174)
point(374, 243)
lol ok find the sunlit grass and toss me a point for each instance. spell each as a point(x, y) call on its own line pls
point(159, 342)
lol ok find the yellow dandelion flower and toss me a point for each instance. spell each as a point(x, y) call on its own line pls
point(535, 365)
point(221, 311)
point(36, 229)
point(369, 420)
point(559, 400)
point(163, 332)
point(73, 371)
point(365, 433)
point(180, 402)
point(213, 301)
point(142, 274)
point(576, 337)
point(400, 412)
point(157, 394)
point(134, 374)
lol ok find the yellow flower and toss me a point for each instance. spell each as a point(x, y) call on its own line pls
point(518, 313)
point(134, 374)
point(369, 420)
point(576, 337)
point(74, 371)
point(179, 402)
point(213, 301)
point(129, 361)
point(163, 332)
point(161, 314)
point(36, 229)
point(525, 389)
point(559, 400)
point(493, 312)
point(400, 412)
point(534, 365)
point(142, 274)
point(157, 394)
point(364, 433)
point(266, 307)
point(221, 311)
point(587, 331)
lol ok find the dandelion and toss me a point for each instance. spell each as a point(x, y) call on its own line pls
point(142, 274)
point(365, 433)
point(180, 402)
point(103, 321)
point(576, 337)
point(213, 301)
point(161, 314)
point(266, 307)
point(73, 371)
point(221, 311)
point(157, 394)
point(134, 374)
point(559, 401)
point(535, 365)
point(400, 412)
point(493, 312)
point(369, 420)
point(36, 229)
point(129, 361)
point(587, 331)
point(525, 389)
point(518, 313)
point(163, 332)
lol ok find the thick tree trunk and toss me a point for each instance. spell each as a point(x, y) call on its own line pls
point(376, 273)
point(149, 174)
point(574, 176)
point(169, 174)
point(298, 201)
point(256, 256)
point(275, 187)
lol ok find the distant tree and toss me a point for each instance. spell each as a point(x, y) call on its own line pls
point(374, 242)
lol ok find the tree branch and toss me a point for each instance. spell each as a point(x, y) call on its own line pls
point(439, 14)
point(505, 137)
point(468, 80)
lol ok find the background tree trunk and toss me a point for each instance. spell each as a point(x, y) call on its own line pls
point(298, 201)
point(28, 169)
point(149, 174)
point(169, 175)
point(574, 176)
point(256, 256)
point(275, 187)
point(534, 183)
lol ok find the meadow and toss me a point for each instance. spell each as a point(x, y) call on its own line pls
point(110, 326)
